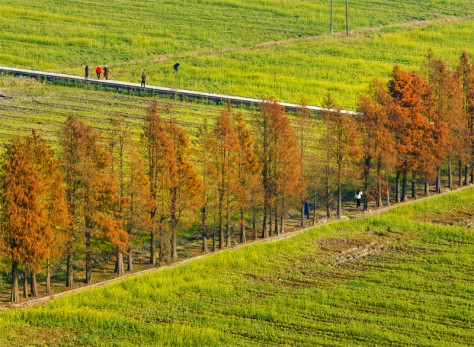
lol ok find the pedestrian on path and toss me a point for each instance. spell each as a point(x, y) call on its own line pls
point(358, 196)
point(143, 79)
point(86, 72)
point(307, 209)
point(106, 72)
point(98, 71)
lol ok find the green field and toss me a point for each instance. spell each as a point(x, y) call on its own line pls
point(250, 48)
point(29, 104)
point(414, 287)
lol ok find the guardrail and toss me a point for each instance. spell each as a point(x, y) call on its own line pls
point(157, 90)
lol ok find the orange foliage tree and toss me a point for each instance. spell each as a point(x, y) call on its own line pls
point(184, 185)
point(246, 183)
point(32, 207)
point(410, 111)
point(466, 75)
point(281, 164)
point(92, 192)
point(226, 148)
point(204, 155)
point(134, 200)
point(158, 150)
point(376, 139)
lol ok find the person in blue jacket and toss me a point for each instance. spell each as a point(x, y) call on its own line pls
point(307, 208)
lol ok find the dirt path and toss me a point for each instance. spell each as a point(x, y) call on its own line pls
point(344, 256)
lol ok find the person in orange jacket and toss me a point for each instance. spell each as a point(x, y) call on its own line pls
point(106, 72)
point(98, 71)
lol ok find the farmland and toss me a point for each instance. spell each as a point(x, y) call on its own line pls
point(272, 48)
point(404, 277)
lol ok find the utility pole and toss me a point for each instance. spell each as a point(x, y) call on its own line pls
point(347, 18)
point(331, 17)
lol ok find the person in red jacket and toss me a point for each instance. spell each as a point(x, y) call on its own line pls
point(98, 71)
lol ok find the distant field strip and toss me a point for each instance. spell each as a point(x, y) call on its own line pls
point(250, 48)
point(413, 286)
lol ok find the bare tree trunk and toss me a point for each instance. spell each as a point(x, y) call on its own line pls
point(366, 174)
point(227, 223)
point(450, 178)
point(25, 284)
point(69, 271)
point(162, 243)
point(174, 247)
point(472, 173)
point(221, 223)
point(243, 238)
point(264, 223)
point(88, 256)
point(204, 229)
point(34, 285)
point(254, 222)
point(302, 213)
point(379, 183)
point(388, 192)
point(277, 232)
point(48, 277)
point(130, 259)
point(15, 294)
point(404, 187)
point(427, 188)
point(460, 175)
point(214, 239)
point(397, 187)
point(466, 174)
point(438, 180)
point(174, 223)
point(282, 221)
point(165, 245)
point(119, 270)
point(270, 222)
point(314, 209)
point(339, 192)
point(152, 244)
point(414, 195)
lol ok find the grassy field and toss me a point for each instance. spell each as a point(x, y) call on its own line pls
point(228, 46)
point(401, 278)
point(29, 104)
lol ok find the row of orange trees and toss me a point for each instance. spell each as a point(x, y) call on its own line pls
point(241, 178)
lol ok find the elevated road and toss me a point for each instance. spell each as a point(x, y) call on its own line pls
point(155, 90)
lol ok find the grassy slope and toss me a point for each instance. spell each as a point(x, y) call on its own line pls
point(417, 292)
point(30, 104)
point(216, 40)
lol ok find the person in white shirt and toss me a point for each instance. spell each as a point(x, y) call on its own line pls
point(358, 196)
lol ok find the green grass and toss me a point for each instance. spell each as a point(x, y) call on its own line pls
point(417, 291)
point(216, 41)
point(30, 104)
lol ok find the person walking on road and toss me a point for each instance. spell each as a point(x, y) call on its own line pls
point(143, 79)
point(86, 72)
point(106, 72)
point(98, 71)
point(358, 196)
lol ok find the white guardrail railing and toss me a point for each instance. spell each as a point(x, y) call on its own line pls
point(236, 100)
